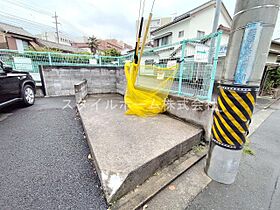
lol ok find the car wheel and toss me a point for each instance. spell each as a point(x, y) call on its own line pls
point(28, 95)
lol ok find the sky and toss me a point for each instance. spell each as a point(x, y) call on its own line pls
point(102, 18)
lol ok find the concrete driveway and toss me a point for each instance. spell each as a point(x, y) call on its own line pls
point(43, 159)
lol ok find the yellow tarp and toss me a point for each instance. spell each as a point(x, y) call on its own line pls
point(146, 92)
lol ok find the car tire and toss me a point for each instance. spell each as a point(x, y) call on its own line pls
point(28, 95)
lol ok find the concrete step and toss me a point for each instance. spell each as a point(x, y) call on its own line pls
point(127, 150)
point(180, 193)
point(145, 193)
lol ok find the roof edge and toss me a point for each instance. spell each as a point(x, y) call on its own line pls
point(190, 12)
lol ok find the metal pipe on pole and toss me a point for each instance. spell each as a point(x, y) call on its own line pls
point(249, 43)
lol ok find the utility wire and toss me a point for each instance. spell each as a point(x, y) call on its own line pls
point(25, 20)
point(42, 12)
point(28, 27)
point(27, 6)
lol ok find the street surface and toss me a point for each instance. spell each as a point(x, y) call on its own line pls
point(258, 182)
point(44, 159)
point(44, 164)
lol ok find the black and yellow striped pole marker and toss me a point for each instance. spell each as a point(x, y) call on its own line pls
point(231, 120)
point(235, 106)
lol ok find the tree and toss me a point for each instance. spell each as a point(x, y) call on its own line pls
point(112, 52)
point(93, 44)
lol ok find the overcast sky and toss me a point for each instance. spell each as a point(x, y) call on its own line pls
point(102, 18)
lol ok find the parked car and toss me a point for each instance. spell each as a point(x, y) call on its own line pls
point(15, 86)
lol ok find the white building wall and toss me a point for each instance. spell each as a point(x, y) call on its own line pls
point(200, 21)
point(52, 37)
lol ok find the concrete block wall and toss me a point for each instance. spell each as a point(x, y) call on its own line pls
point(81, 91)
point(120, 81)
point(60, 80)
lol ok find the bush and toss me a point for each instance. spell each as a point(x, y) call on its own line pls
point(272, 80)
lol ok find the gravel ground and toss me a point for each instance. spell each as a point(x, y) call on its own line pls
point(43, 159)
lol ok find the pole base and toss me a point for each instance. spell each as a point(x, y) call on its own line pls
point(222, 164)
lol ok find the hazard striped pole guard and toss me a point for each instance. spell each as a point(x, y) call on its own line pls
point(231, 119)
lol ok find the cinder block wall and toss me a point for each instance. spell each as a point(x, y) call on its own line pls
point(60, 80)
point(120, 81)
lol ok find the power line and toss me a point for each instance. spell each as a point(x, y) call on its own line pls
point(41, 11)
point(38, 10)
point(33, 29)
point(30, 7)
point(25, 24)
point(25, 20)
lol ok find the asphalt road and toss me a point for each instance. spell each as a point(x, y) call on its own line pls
point(43, 159)
point(258, 182)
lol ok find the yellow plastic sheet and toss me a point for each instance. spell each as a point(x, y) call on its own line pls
point(147, 91)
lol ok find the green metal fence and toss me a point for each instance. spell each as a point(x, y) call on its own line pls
point(197, 67)
point(31, 60)
point(195, 77)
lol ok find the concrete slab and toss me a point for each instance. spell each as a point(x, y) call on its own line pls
point(127, 149)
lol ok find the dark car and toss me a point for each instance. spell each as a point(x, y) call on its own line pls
point(15, 86)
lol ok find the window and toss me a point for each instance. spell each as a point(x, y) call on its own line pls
point(19, 44)
point(1, 69)
point(200, 34)
point(25, 45)
point(156, 43)
point(181, 34)
point(165, 40)
point(149, 62)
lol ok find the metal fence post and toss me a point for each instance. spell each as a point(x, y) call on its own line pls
point(118, 61)
point(50, 58)
point(100, 60)
point(182, 61)
point(214, 68)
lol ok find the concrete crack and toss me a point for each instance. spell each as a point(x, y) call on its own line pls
point(274, 189)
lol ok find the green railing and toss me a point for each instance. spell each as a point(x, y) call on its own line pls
point(197, 69)
point(31, 60)
point(195, 77)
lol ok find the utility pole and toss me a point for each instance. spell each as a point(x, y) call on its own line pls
point(56, 26)
point(214, 29)
point(249, 43)
point(263, 11)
